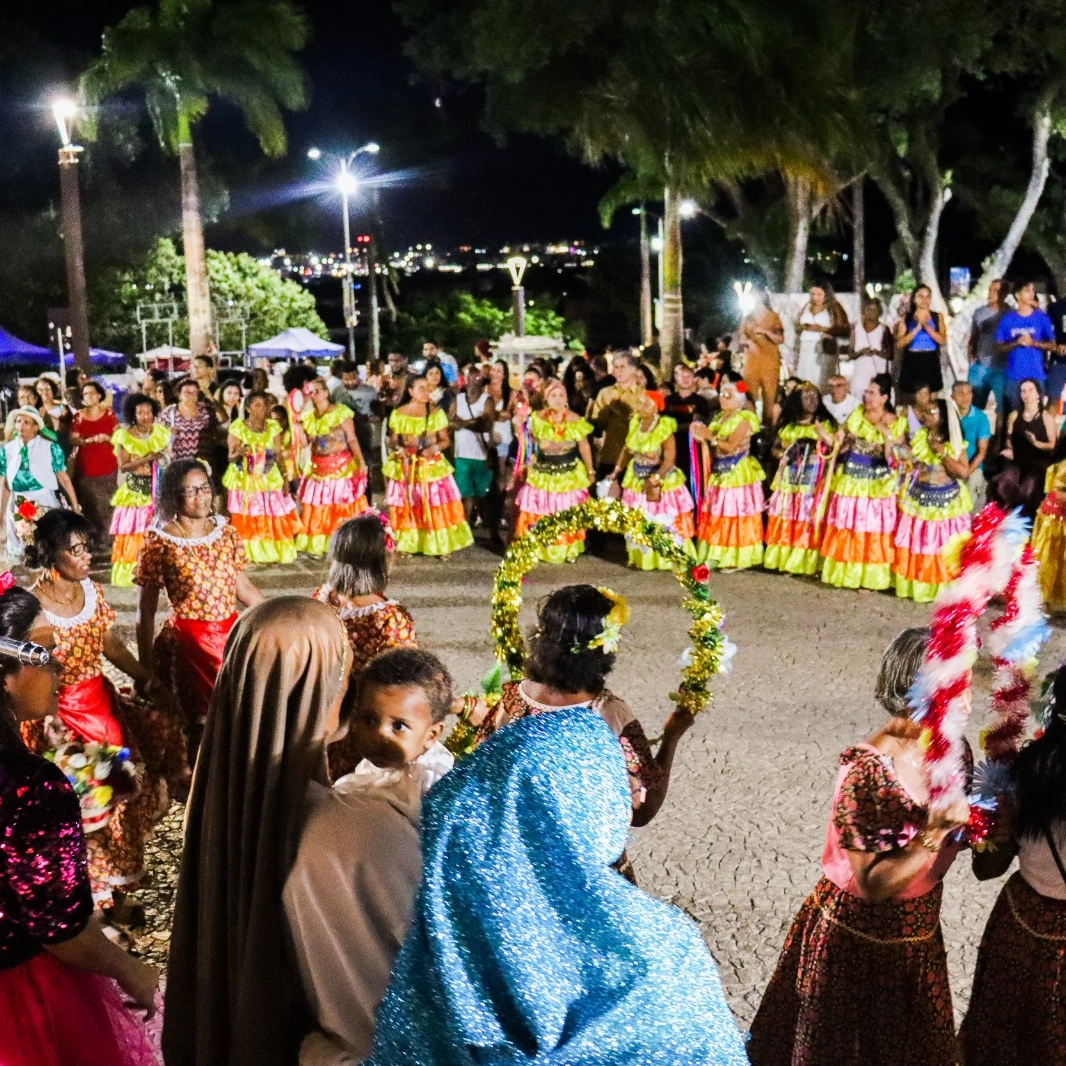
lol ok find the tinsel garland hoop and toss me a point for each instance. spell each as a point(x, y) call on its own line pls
point(709, 654)
point(996, 559)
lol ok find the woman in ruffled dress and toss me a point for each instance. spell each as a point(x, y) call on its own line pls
point(561, 470)
point(261, 509)
point(360, 561)
point(729, 532)
point(1017, 1013)
point(425, 508)
point(199, 559)
point(568, 659)
point(858, 545)
point(862, 979)
point(92, 711)
point(141, 446)
point(653, 482)
point(333, 488)
point(66, 989)
point(804, 442)
point(1049, 541)
point(934, 509)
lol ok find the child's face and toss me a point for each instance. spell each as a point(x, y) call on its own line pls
point(393, 725)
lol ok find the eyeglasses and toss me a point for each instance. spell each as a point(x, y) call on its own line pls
point(196, 490)
point(78, 550)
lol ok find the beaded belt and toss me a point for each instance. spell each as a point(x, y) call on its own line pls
point(724, 464)
point(644, 469)
point(934, 495)
point(140, 483)
point(555, 463)
point(865, 467)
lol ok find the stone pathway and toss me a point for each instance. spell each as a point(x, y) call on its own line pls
point(738, 842)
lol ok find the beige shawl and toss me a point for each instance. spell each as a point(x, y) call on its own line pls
point(233, 999)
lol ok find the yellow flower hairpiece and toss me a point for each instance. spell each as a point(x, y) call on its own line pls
point(609, 637)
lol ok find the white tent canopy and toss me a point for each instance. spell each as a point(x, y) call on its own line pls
point(164, 351)
point(295, 343)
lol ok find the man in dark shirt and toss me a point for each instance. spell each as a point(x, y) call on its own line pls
point(685, 405)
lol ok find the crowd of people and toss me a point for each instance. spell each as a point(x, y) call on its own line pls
point(860, 468)
point(350, 891)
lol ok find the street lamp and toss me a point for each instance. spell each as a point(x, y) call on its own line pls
point(688, 208)
point(348, 185)
point(745, 297)
point(65, 112)
point(517, 267)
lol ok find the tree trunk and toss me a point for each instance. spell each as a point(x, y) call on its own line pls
point(906, 250)
point(999, 262)
point(927, 272)
point(858, 236)
point(672, 332)
point(198, 292)
point(799, 232)
point(647, 333)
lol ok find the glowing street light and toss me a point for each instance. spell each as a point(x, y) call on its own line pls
point(688, 209)
point(65, 112)
point(348, 185)
point(746, 298)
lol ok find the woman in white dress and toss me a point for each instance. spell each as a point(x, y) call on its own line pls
point(820, 322)
point(871, 346)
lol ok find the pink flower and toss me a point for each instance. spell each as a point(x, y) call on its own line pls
point(7, 581)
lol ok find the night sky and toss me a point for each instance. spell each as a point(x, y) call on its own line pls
point(448, 181)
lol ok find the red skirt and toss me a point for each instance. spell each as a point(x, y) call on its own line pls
point(188, 657)
point(1017, 1014)
point(52, 1014)
point(858, 984)
point(88, 710)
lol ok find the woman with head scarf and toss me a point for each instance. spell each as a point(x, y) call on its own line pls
point(526, 946)
point(233, 998)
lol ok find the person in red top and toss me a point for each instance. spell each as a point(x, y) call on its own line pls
point(95, 465)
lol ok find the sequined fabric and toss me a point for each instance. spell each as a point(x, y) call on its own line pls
point(44, 885)
point(526, 946)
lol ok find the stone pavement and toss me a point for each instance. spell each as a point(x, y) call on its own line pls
point(738, 841)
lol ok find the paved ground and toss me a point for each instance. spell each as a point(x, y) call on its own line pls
point(737, 843)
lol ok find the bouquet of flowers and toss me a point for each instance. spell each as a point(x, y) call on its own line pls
point(25, 515)
point(101, 775)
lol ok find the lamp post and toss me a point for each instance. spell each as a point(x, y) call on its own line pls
point(517, 266)
point(65, 112)
point(348, 185)
point(646, 334)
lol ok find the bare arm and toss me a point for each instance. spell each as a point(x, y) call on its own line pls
point(584, 449)
point(735, 442)
point(147, 605)
point(979, 455)
point(237, 448)
point(68, 488)
point(675, 728)
point(247, 593)
point(117, 653)
point(669, 457)
point(90, 950)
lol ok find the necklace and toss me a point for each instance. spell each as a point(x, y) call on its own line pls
point(190, 534)
point(53, 594)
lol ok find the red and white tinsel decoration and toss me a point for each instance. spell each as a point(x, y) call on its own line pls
point(995, 559)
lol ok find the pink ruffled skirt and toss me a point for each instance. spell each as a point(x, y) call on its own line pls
point(332, 492)
point(52, 1014)
point(541, 502)
point(671, 504)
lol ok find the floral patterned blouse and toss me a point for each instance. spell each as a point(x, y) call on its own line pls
point(45, 896)
point(80, 639)
point(199, 575)
point(372, 629)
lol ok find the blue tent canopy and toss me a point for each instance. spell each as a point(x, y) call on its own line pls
point(14, 351)
point(295, 343)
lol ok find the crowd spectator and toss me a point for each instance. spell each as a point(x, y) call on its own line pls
point(95, 465)
point(685, 405)
point(1056, 370)
point(439, 389)
point(614, 407)
point(191, 422)
point(839, 401)
point(1031, 436)
point(920, 334)
point(988, 364)
point(977, 433)
point(1024, 336)
point(820, 323)
point(760, 337)
point(431, 351)
point(871, 347)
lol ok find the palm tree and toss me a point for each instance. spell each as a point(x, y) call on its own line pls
point(183, 53)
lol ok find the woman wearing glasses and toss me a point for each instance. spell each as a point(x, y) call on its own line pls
point(199, 559)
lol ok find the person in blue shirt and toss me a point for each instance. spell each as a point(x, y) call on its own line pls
point(977, 432)
point(1056, 371)
point(1024, 336)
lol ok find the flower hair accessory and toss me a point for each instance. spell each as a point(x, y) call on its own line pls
point(7, 581)
point(609, 637)
point(390, 537)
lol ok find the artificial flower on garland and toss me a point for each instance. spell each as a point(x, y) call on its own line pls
point(101, 776)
